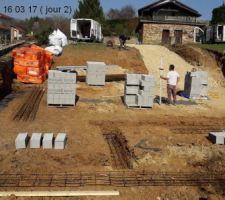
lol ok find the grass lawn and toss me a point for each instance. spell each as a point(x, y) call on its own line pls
point(80, 45)
point(80, 53)
point(215, 47)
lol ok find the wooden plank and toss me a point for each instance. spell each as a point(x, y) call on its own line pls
point(59, 193)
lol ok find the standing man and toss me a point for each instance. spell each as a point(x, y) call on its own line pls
point(172, 79)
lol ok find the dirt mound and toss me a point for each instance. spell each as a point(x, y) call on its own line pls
point(79, 54)
point(152, 55)
point(205, 60)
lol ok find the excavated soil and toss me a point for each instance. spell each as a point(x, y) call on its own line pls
point(164, 139)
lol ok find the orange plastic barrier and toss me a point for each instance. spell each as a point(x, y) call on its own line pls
point(31, 64)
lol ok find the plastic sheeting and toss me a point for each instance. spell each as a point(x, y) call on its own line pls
point(56, 50)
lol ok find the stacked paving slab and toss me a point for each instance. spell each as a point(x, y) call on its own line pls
point(139, 90)
point(196, 84)
point(61, 88)
point(96, 72)
point(217, 137)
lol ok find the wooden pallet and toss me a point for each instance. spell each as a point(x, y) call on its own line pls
point(61, 105)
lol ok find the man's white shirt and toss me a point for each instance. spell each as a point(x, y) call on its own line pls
point(172, 78)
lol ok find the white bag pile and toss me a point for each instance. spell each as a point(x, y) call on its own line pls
point(58, 40)
point(56, 50)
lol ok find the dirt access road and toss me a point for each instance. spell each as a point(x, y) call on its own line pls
point(174, 137)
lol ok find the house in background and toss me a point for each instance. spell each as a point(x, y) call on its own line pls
point(169, 22)
point(5, 30)
point(8, 32)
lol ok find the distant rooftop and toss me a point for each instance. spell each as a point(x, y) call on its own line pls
point(164, 2)
point(3, 16)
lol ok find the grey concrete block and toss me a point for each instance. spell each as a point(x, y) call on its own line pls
point(148, 78)
point(21, 141)
point(36, 141)
point(96, 79)
point(132, 89)
point(55, 76)
point(145, 101)
point(63, 92)
point(60, 141)
point(147, 83)
point(96, 67)
point(147, 93)
point(196, 84)
point(47, 142)
point(217, 137)
point(130, 100)
point(133, 79)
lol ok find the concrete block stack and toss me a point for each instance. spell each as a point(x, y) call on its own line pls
point(61, 88)
point(217, 137)
point(196, 84)
point(139, 90)
point(22, 141)
point(96, 73)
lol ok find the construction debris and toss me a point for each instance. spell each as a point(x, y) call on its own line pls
point(217, 137)
point(139, 90)
point(61, 88)
point(121, 155)
point(29, 108)
point(96, 72)
point(22, 141)
point(196, 85)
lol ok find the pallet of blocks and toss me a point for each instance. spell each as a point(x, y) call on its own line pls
point(196, 85)
point(139, 90)
point(96, 73)
point(61, 88)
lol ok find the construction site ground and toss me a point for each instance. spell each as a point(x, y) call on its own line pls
point(174, 137)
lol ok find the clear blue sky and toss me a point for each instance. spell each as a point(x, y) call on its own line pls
point(203, 6)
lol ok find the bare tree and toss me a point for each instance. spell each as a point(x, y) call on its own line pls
point(126, 12)
point(113, 14)
point(62, 23)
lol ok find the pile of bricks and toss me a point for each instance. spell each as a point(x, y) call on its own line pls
point(96, 73)
point(61, 88)
point(46, 140)
point(31, 64)
point(217, 137)
point(196, 84)
point(139, 90)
